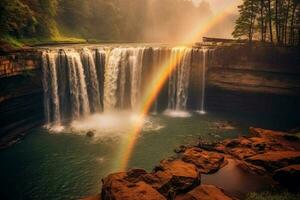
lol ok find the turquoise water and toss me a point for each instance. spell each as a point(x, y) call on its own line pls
point(69, 166)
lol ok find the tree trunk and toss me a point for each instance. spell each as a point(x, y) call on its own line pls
point(292, 31)
point(262, 20)
point(270, 21)
point(286, 17)
point(277, 23)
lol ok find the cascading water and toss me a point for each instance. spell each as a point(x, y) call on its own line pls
point(91, 80)
point(136, 67)
point(80, 82)
point(204, 60)
point(179, 80)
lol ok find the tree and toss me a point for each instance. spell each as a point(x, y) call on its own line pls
point(16, 18)
point(256, 16)
point(246, 21)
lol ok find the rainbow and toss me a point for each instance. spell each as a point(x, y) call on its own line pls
point(157, 83)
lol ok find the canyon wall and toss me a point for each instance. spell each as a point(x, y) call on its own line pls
point(257, 69)
point(21, 102)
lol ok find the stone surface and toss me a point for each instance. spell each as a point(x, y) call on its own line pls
point(289, 176)
point(275, 159)
point(264, 152)
point(207, 162)
point(90, 134)
point(173, 177)
point(205, 192)
point(97, 197)
point(120, 186)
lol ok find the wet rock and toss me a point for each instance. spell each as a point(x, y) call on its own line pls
point(242, 152)
point(274, 160)
point(90, 134)
point(174, 177)
point(276, 140)
point(180, 149)
point(289, 177)
point(123, 186)
point(250, 168)
point(263, 133)
point(224, 125)
point(97, 197)
point(205, 192)
point(209, 146)
point(207, 162)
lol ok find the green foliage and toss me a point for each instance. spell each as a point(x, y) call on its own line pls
point(15, 43)
point(273, 196)
point(245, 23)
point(16, 18)
point(35, 21)
point(261, 19)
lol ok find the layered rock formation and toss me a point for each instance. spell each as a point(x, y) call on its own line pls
point(264, 152)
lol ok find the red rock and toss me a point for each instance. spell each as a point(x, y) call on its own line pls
point(250, 168)
point(173, 177)
point(258, 132)
point(279, 140)
point(275, 159)
point(205, 192)
point(207, 162)
point(242, 152)
point(116, 187)
point(97, 197)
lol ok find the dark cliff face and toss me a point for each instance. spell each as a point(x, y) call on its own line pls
point(257, 69)
point(21, 102)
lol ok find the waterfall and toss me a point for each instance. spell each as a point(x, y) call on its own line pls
point(50, 83)
point(204, 58)
point(111, 79)
point(78, 86)
point(80, 82)
point(91, 80)
point(179, 80)
point(136, 67)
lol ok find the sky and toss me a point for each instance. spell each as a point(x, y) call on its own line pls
point(218, 5)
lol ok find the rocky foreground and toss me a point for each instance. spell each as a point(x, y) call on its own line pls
point(264, 152)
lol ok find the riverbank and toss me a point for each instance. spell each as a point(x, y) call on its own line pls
point(272, 156)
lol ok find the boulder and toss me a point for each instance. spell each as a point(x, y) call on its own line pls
point(288, 176)
point(207, 162)
point(97, 197)
point(273, 160)
point(90, 134)
point(263, 133)
point(277, 140)
point(250, 168)
point(121, 186)
point(174, 177)
point(205, 192)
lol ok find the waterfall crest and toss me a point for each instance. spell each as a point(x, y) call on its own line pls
point(80, 82)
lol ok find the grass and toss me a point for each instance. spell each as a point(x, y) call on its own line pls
point(52, 40)
point(15, 43)
point(273, 196)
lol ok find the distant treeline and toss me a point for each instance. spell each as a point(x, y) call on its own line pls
point(273, 21)
point(126, 20)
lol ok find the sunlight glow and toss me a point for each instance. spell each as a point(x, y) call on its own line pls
point(158, 81)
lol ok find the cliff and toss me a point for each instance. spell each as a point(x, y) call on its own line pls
point(21, 102)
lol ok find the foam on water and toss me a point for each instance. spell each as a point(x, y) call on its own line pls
point(177, 113)
point(113, 124)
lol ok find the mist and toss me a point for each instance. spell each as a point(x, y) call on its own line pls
point(161, 21)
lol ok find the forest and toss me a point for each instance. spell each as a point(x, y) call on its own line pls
point(100, 20)
point(269, 21)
